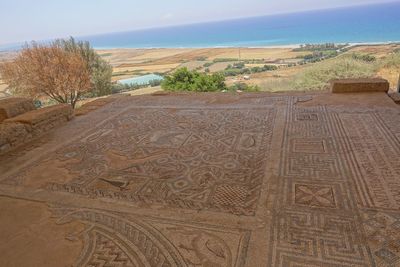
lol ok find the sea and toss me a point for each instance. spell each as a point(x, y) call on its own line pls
point(377, 23)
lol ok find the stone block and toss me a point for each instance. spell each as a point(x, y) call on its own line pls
point(359, 85)
point(14, 106)
point(13, 134)
point(44, 119)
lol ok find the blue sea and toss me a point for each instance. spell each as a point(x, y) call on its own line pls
point(360, 24)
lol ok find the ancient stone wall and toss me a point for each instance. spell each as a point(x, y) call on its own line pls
point(21, 122)
point(11, 107)
point(359, 85)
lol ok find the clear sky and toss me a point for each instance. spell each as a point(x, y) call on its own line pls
point(25, 20)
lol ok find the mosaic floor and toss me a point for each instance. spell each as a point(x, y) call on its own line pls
point(214, 180)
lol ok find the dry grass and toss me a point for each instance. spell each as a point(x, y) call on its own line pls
point(376, 50)
point(147, 68)
point(193, 65)
point(269, 54)
point(220, 66)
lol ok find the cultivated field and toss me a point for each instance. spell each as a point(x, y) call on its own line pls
point(135, 62)
point(290, 75)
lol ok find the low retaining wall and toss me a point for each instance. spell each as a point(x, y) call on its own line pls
point(24, 127)
point(13, 135)
point(44, 119)
point(14, 106)
point(359, 85)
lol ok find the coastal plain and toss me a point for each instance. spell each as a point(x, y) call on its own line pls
point(135, 62)
point(132, 62)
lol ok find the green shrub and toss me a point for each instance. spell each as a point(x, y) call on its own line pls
point(235, 71)
point(263, 68)
point(364, 57)
point(319, 47)
point(184, 80)
point(244, 87)
point(155, 82)
point(238, 65)
point(224, 60)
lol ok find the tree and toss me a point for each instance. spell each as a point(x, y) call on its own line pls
point(100, 70)
point(184, 80)
point(48, 70)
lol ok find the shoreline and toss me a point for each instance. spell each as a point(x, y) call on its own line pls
point(283, 46)
point(293, 46)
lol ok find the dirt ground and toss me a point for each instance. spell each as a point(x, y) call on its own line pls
point(209, 179)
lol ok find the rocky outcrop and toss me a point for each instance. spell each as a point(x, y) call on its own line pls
point(359, 85)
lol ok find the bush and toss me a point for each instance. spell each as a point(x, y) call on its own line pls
point(364, 57)
point(239, 69)
point(319, 47)
point(155, 82)
point(235, 72)
point(224, 60)
point(263, 68)
point(184, 80)
point(238, 65)
point(244, 87)
point(119, 88)
point(270, 67)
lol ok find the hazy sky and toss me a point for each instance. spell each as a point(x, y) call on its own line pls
point(25, 20)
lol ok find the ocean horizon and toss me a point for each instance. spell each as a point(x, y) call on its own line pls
point(377, 23)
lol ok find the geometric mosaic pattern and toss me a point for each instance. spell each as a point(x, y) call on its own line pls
point(184, 158)
point(332, 166)
point(312, 195)
point(113, 239)
point(222, 180)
